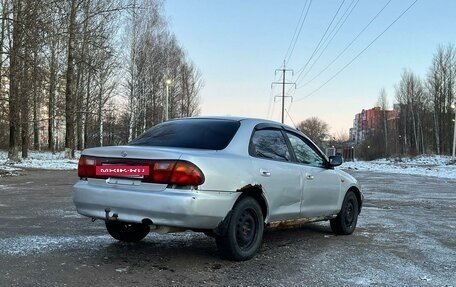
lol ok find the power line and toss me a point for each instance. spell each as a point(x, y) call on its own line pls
point(348, 46)
point(319, 43)
point(271, 102)
point(359, 54)
point(342, 20)
point(273, 109)
point(295, 37)
point(288, 114)
point(345, 16)
point(269, 105)
point(295, 31)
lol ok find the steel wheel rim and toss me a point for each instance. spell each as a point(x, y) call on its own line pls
point(246, 229)
point(349, 214)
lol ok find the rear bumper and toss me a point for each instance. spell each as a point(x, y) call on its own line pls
point(191, 209)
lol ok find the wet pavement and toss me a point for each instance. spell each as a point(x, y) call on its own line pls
point(406, 236)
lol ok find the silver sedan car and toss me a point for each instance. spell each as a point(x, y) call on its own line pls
point(227, 177)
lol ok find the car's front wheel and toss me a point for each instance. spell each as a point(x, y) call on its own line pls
point(245, 231)
point(127, 232)
point(345, 222)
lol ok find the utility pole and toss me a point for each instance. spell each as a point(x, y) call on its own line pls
point(283, 83)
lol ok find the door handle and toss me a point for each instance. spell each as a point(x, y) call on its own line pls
point(309, 177)
point(264, 172)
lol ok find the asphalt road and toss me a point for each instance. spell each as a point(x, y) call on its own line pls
point(406, 236)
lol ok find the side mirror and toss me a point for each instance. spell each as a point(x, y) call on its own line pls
point(335, 160)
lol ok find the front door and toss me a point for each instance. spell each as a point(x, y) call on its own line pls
point(321, 191)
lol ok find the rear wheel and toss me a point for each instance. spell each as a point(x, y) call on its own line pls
point(345, 222)
point(245, 231)
point(127, 232)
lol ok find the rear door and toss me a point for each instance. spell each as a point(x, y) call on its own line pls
point(280, 179)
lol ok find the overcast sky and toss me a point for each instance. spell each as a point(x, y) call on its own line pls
point(238, 45)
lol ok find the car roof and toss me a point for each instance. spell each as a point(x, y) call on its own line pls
point(250, 122)
point(237, 118)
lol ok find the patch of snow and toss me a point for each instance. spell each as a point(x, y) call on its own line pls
point(122, 269)
point(41, 160)
point(35, 244)
point(26, 245)
point(5, 187)
point(436, 166)
point(10, 168)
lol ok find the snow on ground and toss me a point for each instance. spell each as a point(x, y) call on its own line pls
point(437, 166)
point(35, 244)
point(37, 159)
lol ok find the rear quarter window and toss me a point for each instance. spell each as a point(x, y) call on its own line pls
point(212, 134)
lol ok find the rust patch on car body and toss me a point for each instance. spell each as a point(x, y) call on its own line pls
point(248, 186)
point(296, 222)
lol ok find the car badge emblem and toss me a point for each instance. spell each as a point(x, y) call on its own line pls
point(123, 153)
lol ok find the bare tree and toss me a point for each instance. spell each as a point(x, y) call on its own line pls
point(54, 47)
point(4, 70)
point(60, 61)
point(192, 83)
point(316, 129)
point(441, 86)
point(383, 104)
point(15, 76)
point(411, 96)
point(159, 74)
point(341, 136)
point(70, 89)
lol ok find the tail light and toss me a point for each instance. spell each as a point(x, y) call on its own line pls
point(186, 173)
point(87, 167)
point(174, 172)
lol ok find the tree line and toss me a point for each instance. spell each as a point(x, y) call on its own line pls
point(425, 112)
point(93, 72)
point(423, 122)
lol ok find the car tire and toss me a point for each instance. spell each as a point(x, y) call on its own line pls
point(244, 233)
point(345, 222)
point(127, 232)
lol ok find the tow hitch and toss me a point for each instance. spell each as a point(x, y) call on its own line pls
point(110, 218)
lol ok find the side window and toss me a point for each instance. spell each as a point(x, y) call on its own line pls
point(304, 152)
point(269, 144)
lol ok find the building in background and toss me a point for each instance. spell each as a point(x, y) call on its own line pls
point(373, 134)
point(368, 121)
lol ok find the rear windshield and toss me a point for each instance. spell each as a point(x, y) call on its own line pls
point(213, 134)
